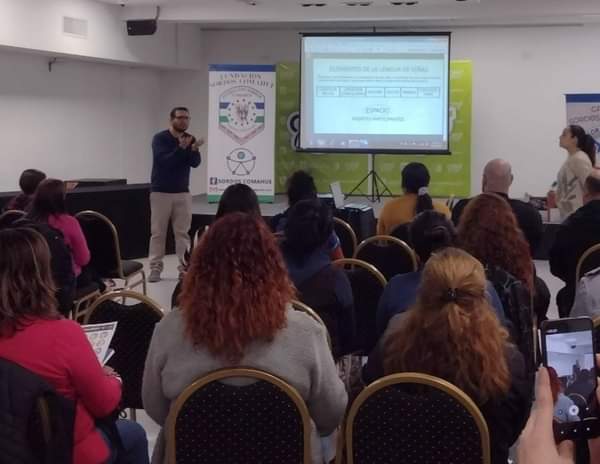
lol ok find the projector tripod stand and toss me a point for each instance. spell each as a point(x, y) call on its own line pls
point(378, 187)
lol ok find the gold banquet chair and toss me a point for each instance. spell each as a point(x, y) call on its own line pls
point(239, 415)
point(388, 254)
point(414, 419)
point(103, 241)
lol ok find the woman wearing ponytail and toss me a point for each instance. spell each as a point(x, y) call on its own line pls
point(416, 199)
point(581, 149)
point(451, 333)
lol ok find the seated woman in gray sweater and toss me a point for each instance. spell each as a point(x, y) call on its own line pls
point(235, 311)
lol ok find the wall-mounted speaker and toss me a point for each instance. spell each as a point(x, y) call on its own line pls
point(142, 27)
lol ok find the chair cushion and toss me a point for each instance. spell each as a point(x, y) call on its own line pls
point(129, 267)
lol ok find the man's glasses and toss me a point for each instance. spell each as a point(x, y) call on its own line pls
point(181, 117)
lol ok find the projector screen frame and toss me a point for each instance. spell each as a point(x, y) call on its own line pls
point(370, 151)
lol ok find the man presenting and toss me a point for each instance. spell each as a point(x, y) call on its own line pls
point(174, 152)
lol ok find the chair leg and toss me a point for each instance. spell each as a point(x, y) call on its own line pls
point(144, 286)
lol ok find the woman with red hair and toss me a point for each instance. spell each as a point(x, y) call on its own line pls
point(235, 311)
point(489, 231)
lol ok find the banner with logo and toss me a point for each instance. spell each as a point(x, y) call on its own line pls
point(241, 129)
point(450, 175)
point(584, 110)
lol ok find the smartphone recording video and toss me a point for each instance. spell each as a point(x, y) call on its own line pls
point(569, 355)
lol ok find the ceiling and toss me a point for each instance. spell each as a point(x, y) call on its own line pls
point(396, 13)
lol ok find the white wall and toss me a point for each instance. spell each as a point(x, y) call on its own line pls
point(37, 25)
point(520, 77)
point(80, 120)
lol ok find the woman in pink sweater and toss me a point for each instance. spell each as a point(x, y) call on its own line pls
point(35, 336)
point(49, 206)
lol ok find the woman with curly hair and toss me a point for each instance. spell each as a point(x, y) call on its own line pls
point(452, 333)
point(489, 231)
point(235, 311)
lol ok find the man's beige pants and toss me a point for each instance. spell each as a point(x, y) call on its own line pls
point(165, 207)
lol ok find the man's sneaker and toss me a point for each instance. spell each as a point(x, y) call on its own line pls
point(154, 276)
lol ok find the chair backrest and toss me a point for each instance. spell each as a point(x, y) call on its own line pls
point(367, 286)
point(254, 417)
point(388, 254)
point(103, 241)
point(402, 232)
point(10, 216)
point(347, 236)
point(589, 261)
point(36, 422)
point(415, 418)
point(299, 306)
point(132, 337)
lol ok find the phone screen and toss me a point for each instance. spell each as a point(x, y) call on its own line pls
point(572, 370)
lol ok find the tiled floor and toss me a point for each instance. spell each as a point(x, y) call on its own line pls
point(161, 293)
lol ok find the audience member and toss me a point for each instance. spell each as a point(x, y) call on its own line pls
point(323, 287)
point(235, 311)
point(301, 186)
point(430, 338)
point(416, 199)
point(238, 198)
point(35, 336)
point(581, 149)
point(497, 178)
point(28, 182)
point(489, 231)
point(587, 295)
point(429, 232)
point(49, 206)
point(576, 234)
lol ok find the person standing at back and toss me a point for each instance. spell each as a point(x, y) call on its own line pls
point(174, 153)
point(581, 149)
point(416, 199)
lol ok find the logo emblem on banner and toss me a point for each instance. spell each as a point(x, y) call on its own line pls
point(242, 113)
point(293, 126)
point(241, 162)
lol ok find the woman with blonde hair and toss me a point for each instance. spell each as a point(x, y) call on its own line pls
point(452, 333)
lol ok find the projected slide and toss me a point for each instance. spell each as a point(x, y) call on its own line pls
point(375, 93)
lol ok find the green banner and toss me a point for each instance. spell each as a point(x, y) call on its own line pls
point(348, 169)
point(450, 175)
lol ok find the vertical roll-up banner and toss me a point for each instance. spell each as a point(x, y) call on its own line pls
point(583, 109)
point(241, 129)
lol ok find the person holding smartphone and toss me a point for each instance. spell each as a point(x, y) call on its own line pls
point(537, 444)
point(568, 354)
